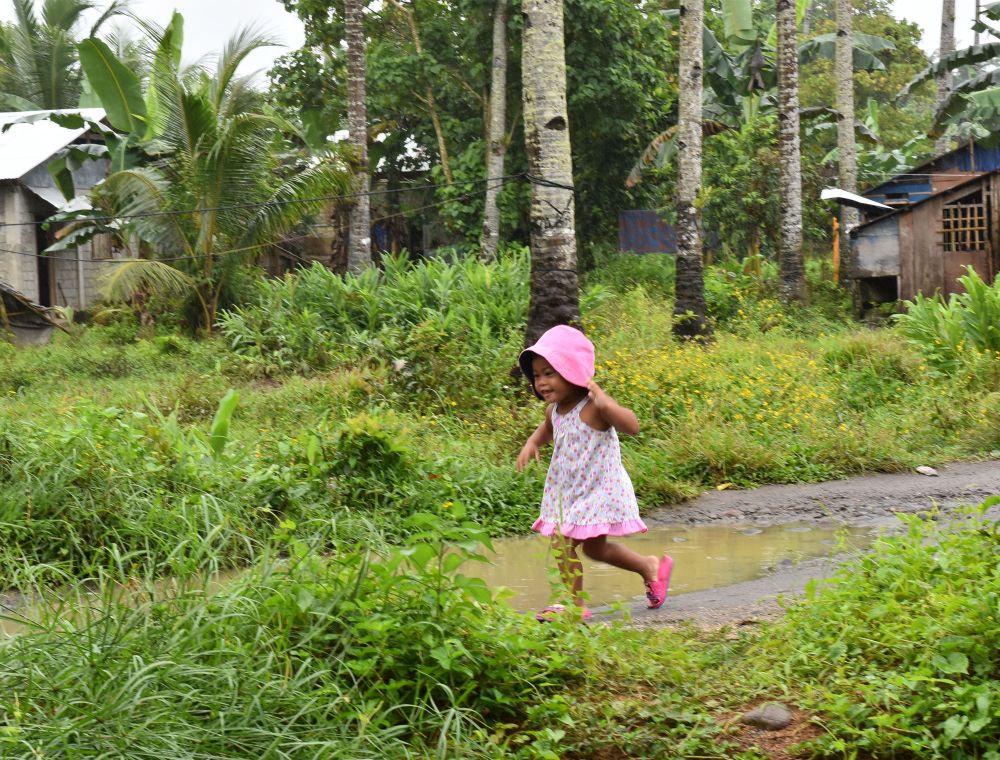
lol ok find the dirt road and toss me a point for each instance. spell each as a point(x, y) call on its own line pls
point(870, 500)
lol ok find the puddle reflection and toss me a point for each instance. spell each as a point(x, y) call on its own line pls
point(704, 557)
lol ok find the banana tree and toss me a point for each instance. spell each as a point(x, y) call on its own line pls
point(207, 191)
point(741, 79)
point(972, 108)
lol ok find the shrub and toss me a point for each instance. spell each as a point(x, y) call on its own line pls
point(441, 326)
point(901, 651)
point(959, 330)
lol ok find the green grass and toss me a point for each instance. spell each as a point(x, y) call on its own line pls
point(348, 630)
point(102, 433)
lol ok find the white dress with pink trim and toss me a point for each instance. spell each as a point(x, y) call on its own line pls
point(587, 491)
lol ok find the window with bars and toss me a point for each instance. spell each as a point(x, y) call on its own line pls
point(963, 225)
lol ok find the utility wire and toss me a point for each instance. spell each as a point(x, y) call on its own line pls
point(56, 258)
point(263, 204)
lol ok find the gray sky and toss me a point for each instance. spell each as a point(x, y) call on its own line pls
point(208, 23)
point(927, 15)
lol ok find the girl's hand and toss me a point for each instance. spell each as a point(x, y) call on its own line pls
point(529, 452)
point(621, 419)
point(597, 396)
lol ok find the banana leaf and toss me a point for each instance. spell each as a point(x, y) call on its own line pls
point(663, 148)
point(969, 56)
point(955, 105)
point(115, 84)
point(864, 48)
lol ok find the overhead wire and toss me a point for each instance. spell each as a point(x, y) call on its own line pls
point(243, 249)
point(286, 202)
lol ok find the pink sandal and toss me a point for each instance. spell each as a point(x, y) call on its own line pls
point(549, 613)
point(656, 591)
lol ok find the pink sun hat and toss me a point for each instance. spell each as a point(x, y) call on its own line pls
point(568, 350)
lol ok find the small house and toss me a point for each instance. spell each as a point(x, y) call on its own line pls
point(29, 195)
point(943, 216)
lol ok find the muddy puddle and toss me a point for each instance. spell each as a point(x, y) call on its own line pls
point(705, 557)
point(19, 615)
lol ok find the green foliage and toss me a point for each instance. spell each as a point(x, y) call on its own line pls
point(963, 329)
point(39, 65)
point(901, 127)
point(435, 324)
point(351, 656)
point(115, 84)
point(900, 650)
point(616, 56)
point(209, 190)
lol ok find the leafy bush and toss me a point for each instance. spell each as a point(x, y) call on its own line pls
point(359, 654)
point(302, 321)
point(901, 651)
point(958, 330)
point(622, 272)
point(341, 657)
point(111, 483)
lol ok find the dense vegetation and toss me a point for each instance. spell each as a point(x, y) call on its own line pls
point(262, 542)
point(375, 423)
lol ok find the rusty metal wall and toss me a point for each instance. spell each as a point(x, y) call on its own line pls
point(643, 231)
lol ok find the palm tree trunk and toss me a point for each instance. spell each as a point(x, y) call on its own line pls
point(689, 304)
point(848, 165)
point(554, 287)
point(807, 18)
point(495, 139)
point(947, 46)
point(793, 282)
point(359, 252)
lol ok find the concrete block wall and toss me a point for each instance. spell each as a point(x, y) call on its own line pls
point(17, 236)
point(69, 273)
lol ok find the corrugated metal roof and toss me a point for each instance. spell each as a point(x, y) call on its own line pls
point(909, 207)
point(25, 146)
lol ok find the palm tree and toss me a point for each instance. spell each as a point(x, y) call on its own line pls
point(497, 125)
point(38, 57)
point(554, 286)
point(213, 194)
point(793, 283)
point(946, 48)
point(689, 305)
point(359, 252)
point(844, 73)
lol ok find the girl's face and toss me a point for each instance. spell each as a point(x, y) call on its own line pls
point(549, 384)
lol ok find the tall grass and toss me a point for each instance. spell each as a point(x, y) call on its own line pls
point(310, 320)
point(352, 655)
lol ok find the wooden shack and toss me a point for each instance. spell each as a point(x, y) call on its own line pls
point(946, 217)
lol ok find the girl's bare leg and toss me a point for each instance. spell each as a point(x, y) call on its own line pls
point(570, 567)
point(619, 555)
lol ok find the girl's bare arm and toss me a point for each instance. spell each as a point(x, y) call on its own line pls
point(532, 447)
point(621, 418)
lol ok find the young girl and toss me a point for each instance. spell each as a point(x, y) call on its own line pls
point(588, 495)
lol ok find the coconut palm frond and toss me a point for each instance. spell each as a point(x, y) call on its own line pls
point(128, 279)
point(140, 194)
point(116, 8)
point(289, 204)
point(237, 48)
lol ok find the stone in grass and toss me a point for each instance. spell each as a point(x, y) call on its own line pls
point(771, 717)
point(925, 470)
